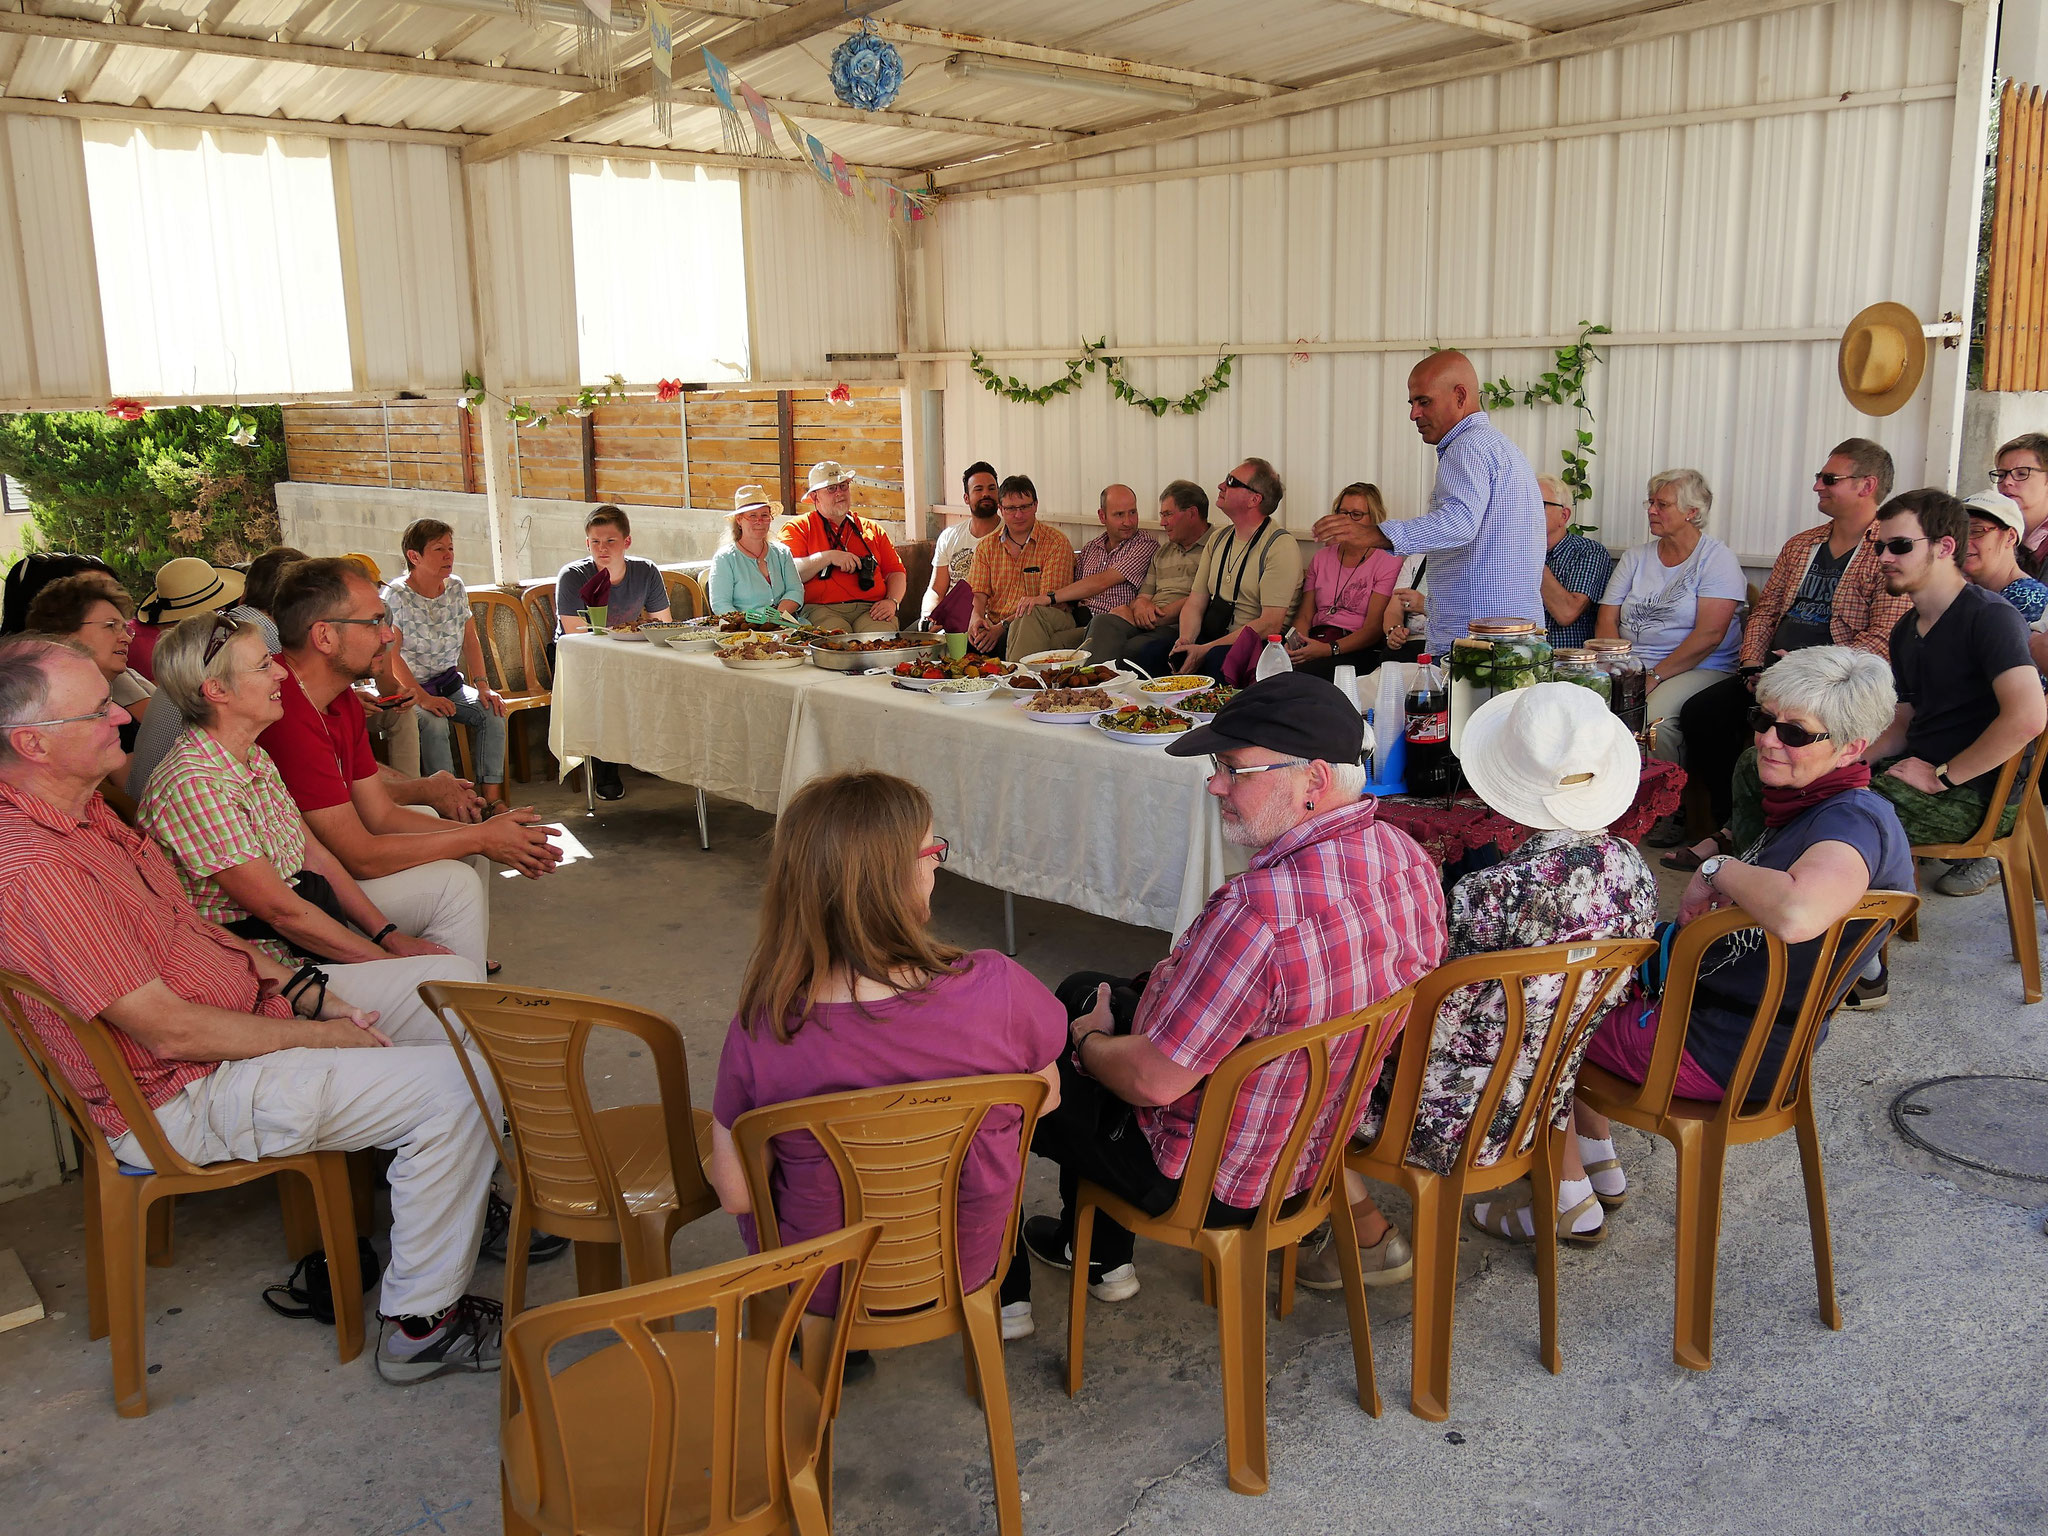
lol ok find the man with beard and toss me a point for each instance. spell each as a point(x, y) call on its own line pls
point(1337, 912)
point(333, 622)
point(953, 555)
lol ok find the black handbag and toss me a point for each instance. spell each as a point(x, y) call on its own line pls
point(310, 887)
point(1219, 618)
point(310, 1290)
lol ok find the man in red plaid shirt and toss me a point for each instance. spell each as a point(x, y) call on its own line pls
point(1336, 912)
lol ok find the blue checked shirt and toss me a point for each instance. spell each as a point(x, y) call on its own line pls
point(1483, 533)
point(1582, 566)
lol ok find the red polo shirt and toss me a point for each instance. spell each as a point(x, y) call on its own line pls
point(321, 753)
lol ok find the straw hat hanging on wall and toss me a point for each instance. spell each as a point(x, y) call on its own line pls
point(1882, 357)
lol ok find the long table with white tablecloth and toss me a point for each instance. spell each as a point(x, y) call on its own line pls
point(1057, 812)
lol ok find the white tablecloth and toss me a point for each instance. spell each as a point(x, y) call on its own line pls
point(1058, 812)
point(683, 715)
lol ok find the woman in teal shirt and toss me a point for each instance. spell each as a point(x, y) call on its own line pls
point(754, 571)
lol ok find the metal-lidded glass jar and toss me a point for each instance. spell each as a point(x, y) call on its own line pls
point(1576, 665)
point(1631, 681)
point(1497, 656)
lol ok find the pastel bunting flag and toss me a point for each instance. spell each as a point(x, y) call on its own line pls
point(758, 109)
point(820, 161)
point(840, 178)
point(894, 198)
point(865, 185)
point(721, 80)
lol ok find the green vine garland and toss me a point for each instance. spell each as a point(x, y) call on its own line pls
point(1096, 354)
point(521, 413)
point(1563, 385)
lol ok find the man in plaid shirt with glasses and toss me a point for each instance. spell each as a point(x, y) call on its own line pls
point(1336, 912)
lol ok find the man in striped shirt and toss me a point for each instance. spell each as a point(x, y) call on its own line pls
point(238, 1056)
point(1336, 913)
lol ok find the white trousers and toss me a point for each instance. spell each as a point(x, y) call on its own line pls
point(445, 901)
point(413, 1099)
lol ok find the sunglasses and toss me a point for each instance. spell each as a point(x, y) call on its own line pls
point(1763, 722)
point(1231, 482)
point(224, 629)
point(939, 849)
point(1901, 546)
point(1832, 481)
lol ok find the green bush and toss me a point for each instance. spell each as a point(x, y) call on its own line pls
point(138, 493)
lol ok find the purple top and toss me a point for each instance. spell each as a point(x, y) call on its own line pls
point(1342, 595)
point(992, 1017)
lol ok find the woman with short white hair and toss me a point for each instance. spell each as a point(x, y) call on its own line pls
point(1675, 597)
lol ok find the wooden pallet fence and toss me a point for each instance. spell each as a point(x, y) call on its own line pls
point(2017, 297)
point(635, 453)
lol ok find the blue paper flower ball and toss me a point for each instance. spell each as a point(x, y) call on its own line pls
point(866, 72)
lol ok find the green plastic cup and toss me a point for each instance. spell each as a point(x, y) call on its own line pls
point(597, 615)
point(956, 645)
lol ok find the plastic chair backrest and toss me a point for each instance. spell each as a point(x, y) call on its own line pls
point(685, 593)
point(367, 562)
point(2002, 793)
point(501, 625)
point(1833, 970)
point(535, 1044)
point(97, 1040)
point(1593, 973)
point(898, 1152)
point(742, 1429)
point(1322, 1046)
point(539, 602)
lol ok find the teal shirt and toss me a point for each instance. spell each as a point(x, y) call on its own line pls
point(736, 582)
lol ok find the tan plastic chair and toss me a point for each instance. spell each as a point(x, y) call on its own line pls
point(2016, 853)
point(368, 564)
point(1595, 972)
point(686, 598)
point(1702, 1131)
point(127, 1214)
point(1234, 1258)
point(898, 1152)
point(672, 1430)
point(618, 1182)
point(501, 623)
point(539, 602)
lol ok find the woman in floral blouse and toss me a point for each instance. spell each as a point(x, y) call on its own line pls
point(1555, 759)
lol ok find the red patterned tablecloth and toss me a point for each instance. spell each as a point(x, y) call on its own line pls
point(1449, 832)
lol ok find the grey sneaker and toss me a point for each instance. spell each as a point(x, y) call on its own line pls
point(1387, 1262)
point(1967, 877)
point(466, 1338)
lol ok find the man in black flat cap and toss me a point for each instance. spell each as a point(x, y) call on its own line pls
point(1336, 912)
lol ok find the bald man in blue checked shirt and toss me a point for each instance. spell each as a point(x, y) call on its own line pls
point(1484, 531)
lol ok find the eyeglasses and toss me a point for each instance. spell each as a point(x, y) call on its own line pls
point(939, 849)
point(381, 621)
point(224, 630)
point(106, 708)
point(1557, 504)
point(2019, 474)
point(1831, 481)
point(1231, 482)
point(1902, 546)
point(1217, 765)
point(1763, 722)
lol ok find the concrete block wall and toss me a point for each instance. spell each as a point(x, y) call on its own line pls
point(1991, 418)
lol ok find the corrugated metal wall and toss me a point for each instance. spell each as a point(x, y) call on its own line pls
point(531, 305)
point(818, 282)
point(405, 254)
point(51, 343)
point(1791, 220)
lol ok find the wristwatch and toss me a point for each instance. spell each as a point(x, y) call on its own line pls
point(1941, 777)
point(1710, 867)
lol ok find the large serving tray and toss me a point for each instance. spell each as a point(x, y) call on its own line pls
point(834, 659)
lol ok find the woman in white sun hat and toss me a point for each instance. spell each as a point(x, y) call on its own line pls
point(754, 571)
point(1555, 759)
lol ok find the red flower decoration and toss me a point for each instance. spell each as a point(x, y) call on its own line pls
point(840, 395)
point(668, 389)
point(124, 409)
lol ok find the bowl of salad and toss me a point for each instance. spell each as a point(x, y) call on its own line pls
point(1144, 725)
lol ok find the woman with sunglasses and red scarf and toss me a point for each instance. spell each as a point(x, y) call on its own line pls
point(1828, 838)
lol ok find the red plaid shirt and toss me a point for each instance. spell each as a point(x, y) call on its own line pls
point(92, 910)
point(1336, 915)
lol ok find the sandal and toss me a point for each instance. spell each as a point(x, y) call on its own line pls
point(1508, 1223)
point(1607, 1202)
point(1684, 859)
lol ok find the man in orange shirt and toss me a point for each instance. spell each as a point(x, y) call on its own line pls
point(1015, 570)
point(853, 578)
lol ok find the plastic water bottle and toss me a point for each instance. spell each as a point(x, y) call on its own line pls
point(1429, 769)
point(1273, 660)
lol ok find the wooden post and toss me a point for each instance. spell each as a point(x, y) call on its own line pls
point(468, 422)
point(1968, 131)
point(785, 446)
point(2028, 268)
point(683, 420)
point(589, 424)
point(498, 448)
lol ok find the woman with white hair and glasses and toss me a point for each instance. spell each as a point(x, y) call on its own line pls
point(1674, 598)
point(1826, 838)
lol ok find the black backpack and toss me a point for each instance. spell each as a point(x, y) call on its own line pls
point(29, 575)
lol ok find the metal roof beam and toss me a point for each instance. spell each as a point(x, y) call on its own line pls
point(1455, 16)
point(1644, 26)
point(261, 50)
point(1016, 133)
point(790, 25)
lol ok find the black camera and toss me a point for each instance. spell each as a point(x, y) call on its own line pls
point(866, 570)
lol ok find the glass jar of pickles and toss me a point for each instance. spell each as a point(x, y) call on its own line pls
point(1497, 656)
point(1630, 681)
point(1581, 667)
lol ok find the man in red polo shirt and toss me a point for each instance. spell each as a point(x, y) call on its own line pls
point(853, 578)
point(239, 1057)
point(333, 621)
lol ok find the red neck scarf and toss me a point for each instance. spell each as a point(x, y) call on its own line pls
point(1782, 803)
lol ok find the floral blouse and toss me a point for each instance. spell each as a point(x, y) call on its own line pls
point(1556, 888)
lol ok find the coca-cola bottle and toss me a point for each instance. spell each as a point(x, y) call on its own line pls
point(1431, 769)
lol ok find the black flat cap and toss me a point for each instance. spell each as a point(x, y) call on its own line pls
point(1294, 713)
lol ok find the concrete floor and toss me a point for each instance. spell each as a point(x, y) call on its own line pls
point(1916, 1418)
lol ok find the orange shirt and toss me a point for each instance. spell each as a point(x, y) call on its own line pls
point(1003, 573)
point(810, 534)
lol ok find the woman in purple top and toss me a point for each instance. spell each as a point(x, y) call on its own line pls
point(1343, 612)
point(847, 989)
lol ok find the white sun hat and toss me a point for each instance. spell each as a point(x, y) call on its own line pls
point(1553, 757)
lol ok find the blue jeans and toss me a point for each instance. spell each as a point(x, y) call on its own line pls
point(487, 737)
